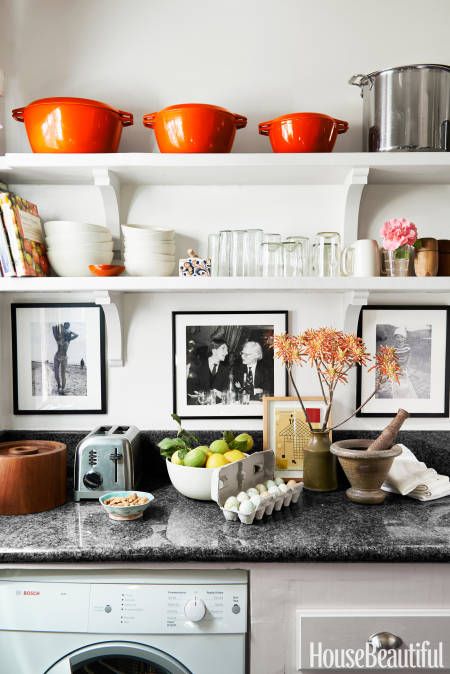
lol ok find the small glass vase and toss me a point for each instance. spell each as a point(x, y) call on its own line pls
point(319, 464)
point(398, 262)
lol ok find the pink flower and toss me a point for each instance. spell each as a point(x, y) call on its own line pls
point(398, 232)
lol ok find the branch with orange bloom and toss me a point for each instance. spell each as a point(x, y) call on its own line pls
point(333, 353)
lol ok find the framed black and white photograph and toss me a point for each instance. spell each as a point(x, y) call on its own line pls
point(223, 363)
point(58, 359)
point(420, 336)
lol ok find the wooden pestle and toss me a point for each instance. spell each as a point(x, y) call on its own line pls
point(387, 437)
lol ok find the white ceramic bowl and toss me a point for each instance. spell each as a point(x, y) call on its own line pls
point(192, 482)
point(66, 263)
point(149, 268)
point(65, 226)
point(82, 248)
point(147, 232)
point(75, 238)
point(151, 248)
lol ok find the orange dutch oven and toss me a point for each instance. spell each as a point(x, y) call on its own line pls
point(72, 125)
point(194, 127)
point(303, 132)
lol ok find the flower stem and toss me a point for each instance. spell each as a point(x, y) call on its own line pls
point(299, 399)
point(353, 413)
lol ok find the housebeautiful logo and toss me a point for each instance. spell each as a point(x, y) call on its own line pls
point(420, 655)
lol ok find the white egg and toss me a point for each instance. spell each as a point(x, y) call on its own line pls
point(256, 500)
point(265, 496)
point(231, 503)
point(292, 484)
point(252, 491)
point(242, 496)
point(278, 481)
point(274, 491)
point(247, 508)
point(261, 487)
point(270, 483)
point(283, 488)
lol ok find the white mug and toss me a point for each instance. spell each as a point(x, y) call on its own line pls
point(362, 258)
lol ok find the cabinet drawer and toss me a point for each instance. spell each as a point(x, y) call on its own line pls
point(354, 641)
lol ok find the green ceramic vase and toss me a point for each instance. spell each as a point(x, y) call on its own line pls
point(319, 464)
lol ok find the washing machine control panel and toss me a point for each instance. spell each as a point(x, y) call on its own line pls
point(116, 608)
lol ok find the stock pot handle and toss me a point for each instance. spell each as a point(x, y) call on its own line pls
point(342, 126)
point(149, 120)
point(126, 118)
point(240, 121)
point(361, 81)
point(264, 128)
point(18, 114)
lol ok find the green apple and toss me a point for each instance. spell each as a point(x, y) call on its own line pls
point(195, 458)
point(176, 459)
point(219, 447)
point(247, 438)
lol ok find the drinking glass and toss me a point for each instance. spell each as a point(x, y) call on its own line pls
point(225, 252)
point(272, 258)
point(325, 255)
point(213, 253)
point(252, 252)
point(237, 252)
point(295, 256)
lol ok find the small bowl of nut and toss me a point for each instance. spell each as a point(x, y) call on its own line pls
point(126, 505)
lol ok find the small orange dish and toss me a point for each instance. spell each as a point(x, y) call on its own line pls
point(106, 269)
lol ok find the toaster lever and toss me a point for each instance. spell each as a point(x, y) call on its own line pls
point(115, 456)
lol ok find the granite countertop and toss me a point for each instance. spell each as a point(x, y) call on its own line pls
point(325, 527)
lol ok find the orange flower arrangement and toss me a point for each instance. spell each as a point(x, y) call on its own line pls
point(333, 353)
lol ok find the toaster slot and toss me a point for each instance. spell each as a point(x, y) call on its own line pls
point(121, 430)
point(102, 430)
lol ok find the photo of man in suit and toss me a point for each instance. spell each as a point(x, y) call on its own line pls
point(210, 373)
point(252, 376)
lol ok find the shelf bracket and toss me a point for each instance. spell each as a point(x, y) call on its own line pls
point(355, 183)
point(112, 307)
point(109, 186)
point(354, 300)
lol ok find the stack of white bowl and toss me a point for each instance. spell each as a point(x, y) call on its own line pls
point(148, 251)
point(73, 246)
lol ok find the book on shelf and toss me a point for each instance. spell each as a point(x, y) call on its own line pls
point(23, 228)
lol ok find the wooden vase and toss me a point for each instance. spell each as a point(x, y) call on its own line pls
point(426, 261)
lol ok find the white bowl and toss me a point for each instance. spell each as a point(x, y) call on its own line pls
point(65, 226)
point(191, 482)
point(77, 264)
point(146, 256)
point(81, 248)
point(148, 232)
point(74, 238)
point(159, 248)
point(149, 268)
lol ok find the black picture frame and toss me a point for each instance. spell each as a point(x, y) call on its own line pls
point(17, 409)
point(283, 314)
point(361, 372)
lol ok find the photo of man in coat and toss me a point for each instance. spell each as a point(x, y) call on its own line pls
point(252, 375)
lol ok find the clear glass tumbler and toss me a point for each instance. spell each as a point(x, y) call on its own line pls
point(225, 252)
point(213, 253)
point(252, 252)
point(325, 254)
point(295, 256)
point(272, 255)
point(238, 237)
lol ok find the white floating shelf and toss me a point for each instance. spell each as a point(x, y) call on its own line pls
point(227, 169)
point(138, 284)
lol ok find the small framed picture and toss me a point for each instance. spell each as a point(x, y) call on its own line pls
point(286, 431)
point(421, 338)
point(58, 355)
point(223, 363)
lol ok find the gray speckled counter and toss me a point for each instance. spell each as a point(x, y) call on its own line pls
point(319, 528)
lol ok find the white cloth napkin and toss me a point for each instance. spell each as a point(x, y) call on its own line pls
point(410, 477)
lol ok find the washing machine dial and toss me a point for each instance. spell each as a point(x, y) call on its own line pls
point(195, 610)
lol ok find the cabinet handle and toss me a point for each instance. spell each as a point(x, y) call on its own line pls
point(385, 641)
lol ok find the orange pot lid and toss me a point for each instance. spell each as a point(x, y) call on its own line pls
point(201, 106)
point(298, 115)
point(68, 100)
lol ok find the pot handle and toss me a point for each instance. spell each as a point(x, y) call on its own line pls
point(342, 126)
point(240, 121)
point(126, 118)
point(264, 128)
point(149, 120)
point(18, 114)
point(361, 81)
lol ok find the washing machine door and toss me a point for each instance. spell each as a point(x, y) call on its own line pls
point(118, 657)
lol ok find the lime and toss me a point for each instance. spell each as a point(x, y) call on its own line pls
point(195, 458)
point(216, 460)
point(219, 447)
point(176, 459)
point(247, 438)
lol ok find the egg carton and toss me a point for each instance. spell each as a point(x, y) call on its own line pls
point(254, 473)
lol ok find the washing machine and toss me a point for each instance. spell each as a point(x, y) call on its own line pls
point(122, 622)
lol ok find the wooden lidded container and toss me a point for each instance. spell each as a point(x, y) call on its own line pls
point(444, 257)
point(32, 476)
point(426, 260)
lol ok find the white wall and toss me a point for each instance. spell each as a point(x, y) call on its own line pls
point(260, 58)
